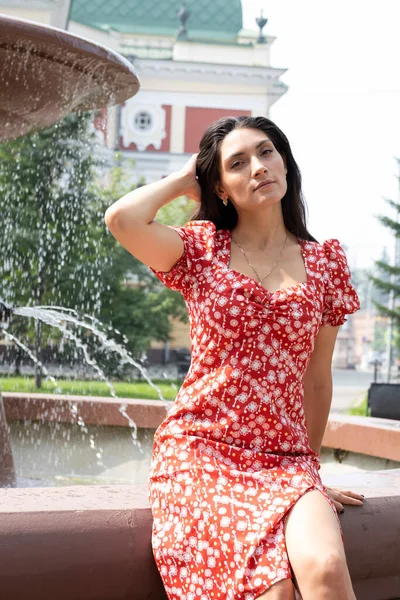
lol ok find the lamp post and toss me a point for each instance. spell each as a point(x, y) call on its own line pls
point(61, 14)
point(7, 469)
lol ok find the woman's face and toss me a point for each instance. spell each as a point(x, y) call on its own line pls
point(248, 158)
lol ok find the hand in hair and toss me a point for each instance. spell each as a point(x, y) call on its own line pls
point(188, 175)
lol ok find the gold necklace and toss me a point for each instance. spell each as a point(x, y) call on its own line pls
point(276, 262)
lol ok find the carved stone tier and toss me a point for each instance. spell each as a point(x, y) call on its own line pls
point(46, 73)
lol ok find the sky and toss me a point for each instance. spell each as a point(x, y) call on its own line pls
point(341, 112)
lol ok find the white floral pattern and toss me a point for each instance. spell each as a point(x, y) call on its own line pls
point(232, 457)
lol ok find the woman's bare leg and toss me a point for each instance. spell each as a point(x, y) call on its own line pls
point(316, 551)
point(283, 590)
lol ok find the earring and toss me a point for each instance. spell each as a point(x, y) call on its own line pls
point(225, 201)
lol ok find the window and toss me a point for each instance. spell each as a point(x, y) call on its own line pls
point(143, 121)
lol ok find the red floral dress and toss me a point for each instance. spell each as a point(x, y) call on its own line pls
point(232, 457)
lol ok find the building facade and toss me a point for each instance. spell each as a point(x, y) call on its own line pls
point(193, 69)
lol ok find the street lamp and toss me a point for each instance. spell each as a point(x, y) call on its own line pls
point(61, 14)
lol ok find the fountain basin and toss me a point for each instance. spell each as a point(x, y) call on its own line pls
point(94, 543)
point(47, 73)
point(55, 451)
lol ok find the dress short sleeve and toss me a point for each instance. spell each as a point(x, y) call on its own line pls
point(198, 241)
point(340, 297)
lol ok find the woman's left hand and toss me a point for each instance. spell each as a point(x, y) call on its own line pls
point(341, 497)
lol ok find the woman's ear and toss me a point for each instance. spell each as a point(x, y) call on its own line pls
point(219, 191)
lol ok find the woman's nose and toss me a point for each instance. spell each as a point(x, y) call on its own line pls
point(257, 166)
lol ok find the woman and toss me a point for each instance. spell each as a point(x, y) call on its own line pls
point(239, 508)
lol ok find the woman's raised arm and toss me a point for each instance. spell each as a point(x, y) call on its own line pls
point(131, 219)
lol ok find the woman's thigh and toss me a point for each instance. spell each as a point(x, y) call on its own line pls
point(312, 535)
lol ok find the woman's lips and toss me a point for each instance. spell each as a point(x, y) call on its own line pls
point(263, 185)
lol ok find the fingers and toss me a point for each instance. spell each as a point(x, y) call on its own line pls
point(352, 494)
point(334, 495)
point(349, 497)
point(353, 501)
point(341, 497)
point(190, 166)
point(338, 506)
point(192, 161)
point(195, 193)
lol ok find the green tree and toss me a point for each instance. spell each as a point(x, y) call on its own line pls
point(134, 302)
point(49, 211)
point(48, 207)
point(55, 247)
point(386, 278)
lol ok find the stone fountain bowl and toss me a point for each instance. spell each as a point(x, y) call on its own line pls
point(47, 73)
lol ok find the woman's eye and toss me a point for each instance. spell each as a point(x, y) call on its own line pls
point(266, 151)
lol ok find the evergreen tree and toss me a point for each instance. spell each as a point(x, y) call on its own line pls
point(387, 278)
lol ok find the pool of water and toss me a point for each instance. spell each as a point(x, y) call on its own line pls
point(57, 454)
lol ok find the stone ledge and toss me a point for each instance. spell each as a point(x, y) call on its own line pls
point(94, 543)
point(364, 435)
point(94, 410)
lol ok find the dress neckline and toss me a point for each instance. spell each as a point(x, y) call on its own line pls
point(267, 293)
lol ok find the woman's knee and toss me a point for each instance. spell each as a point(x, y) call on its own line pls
point(325, 567)
point(314, 542)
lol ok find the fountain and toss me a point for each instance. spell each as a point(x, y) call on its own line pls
point(65, 412)
point(59, 73)
point(47, 73)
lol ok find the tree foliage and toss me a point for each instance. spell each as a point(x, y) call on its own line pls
point(134, 301)
point(386, 278)
point(54, 245)
point(51, 221)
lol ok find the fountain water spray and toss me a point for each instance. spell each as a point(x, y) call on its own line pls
point(46, 73)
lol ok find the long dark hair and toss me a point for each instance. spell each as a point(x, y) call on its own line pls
point(226, 217)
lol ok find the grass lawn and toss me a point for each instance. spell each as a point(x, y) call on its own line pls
point(140, 389)
point(361, 409)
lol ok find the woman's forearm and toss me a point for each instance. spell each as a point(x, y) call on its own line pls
point(139, 207)
point(317, 404)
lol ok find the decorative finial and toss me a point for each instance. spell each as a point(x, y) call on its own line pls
point(183, 14)
point(261, 22)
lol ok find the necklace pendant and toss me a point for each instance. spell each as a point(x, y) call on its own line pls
point(250, 265)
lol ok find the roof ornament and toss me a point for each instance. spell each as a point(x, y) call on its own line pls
point(183, 14)
point(261, 22)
